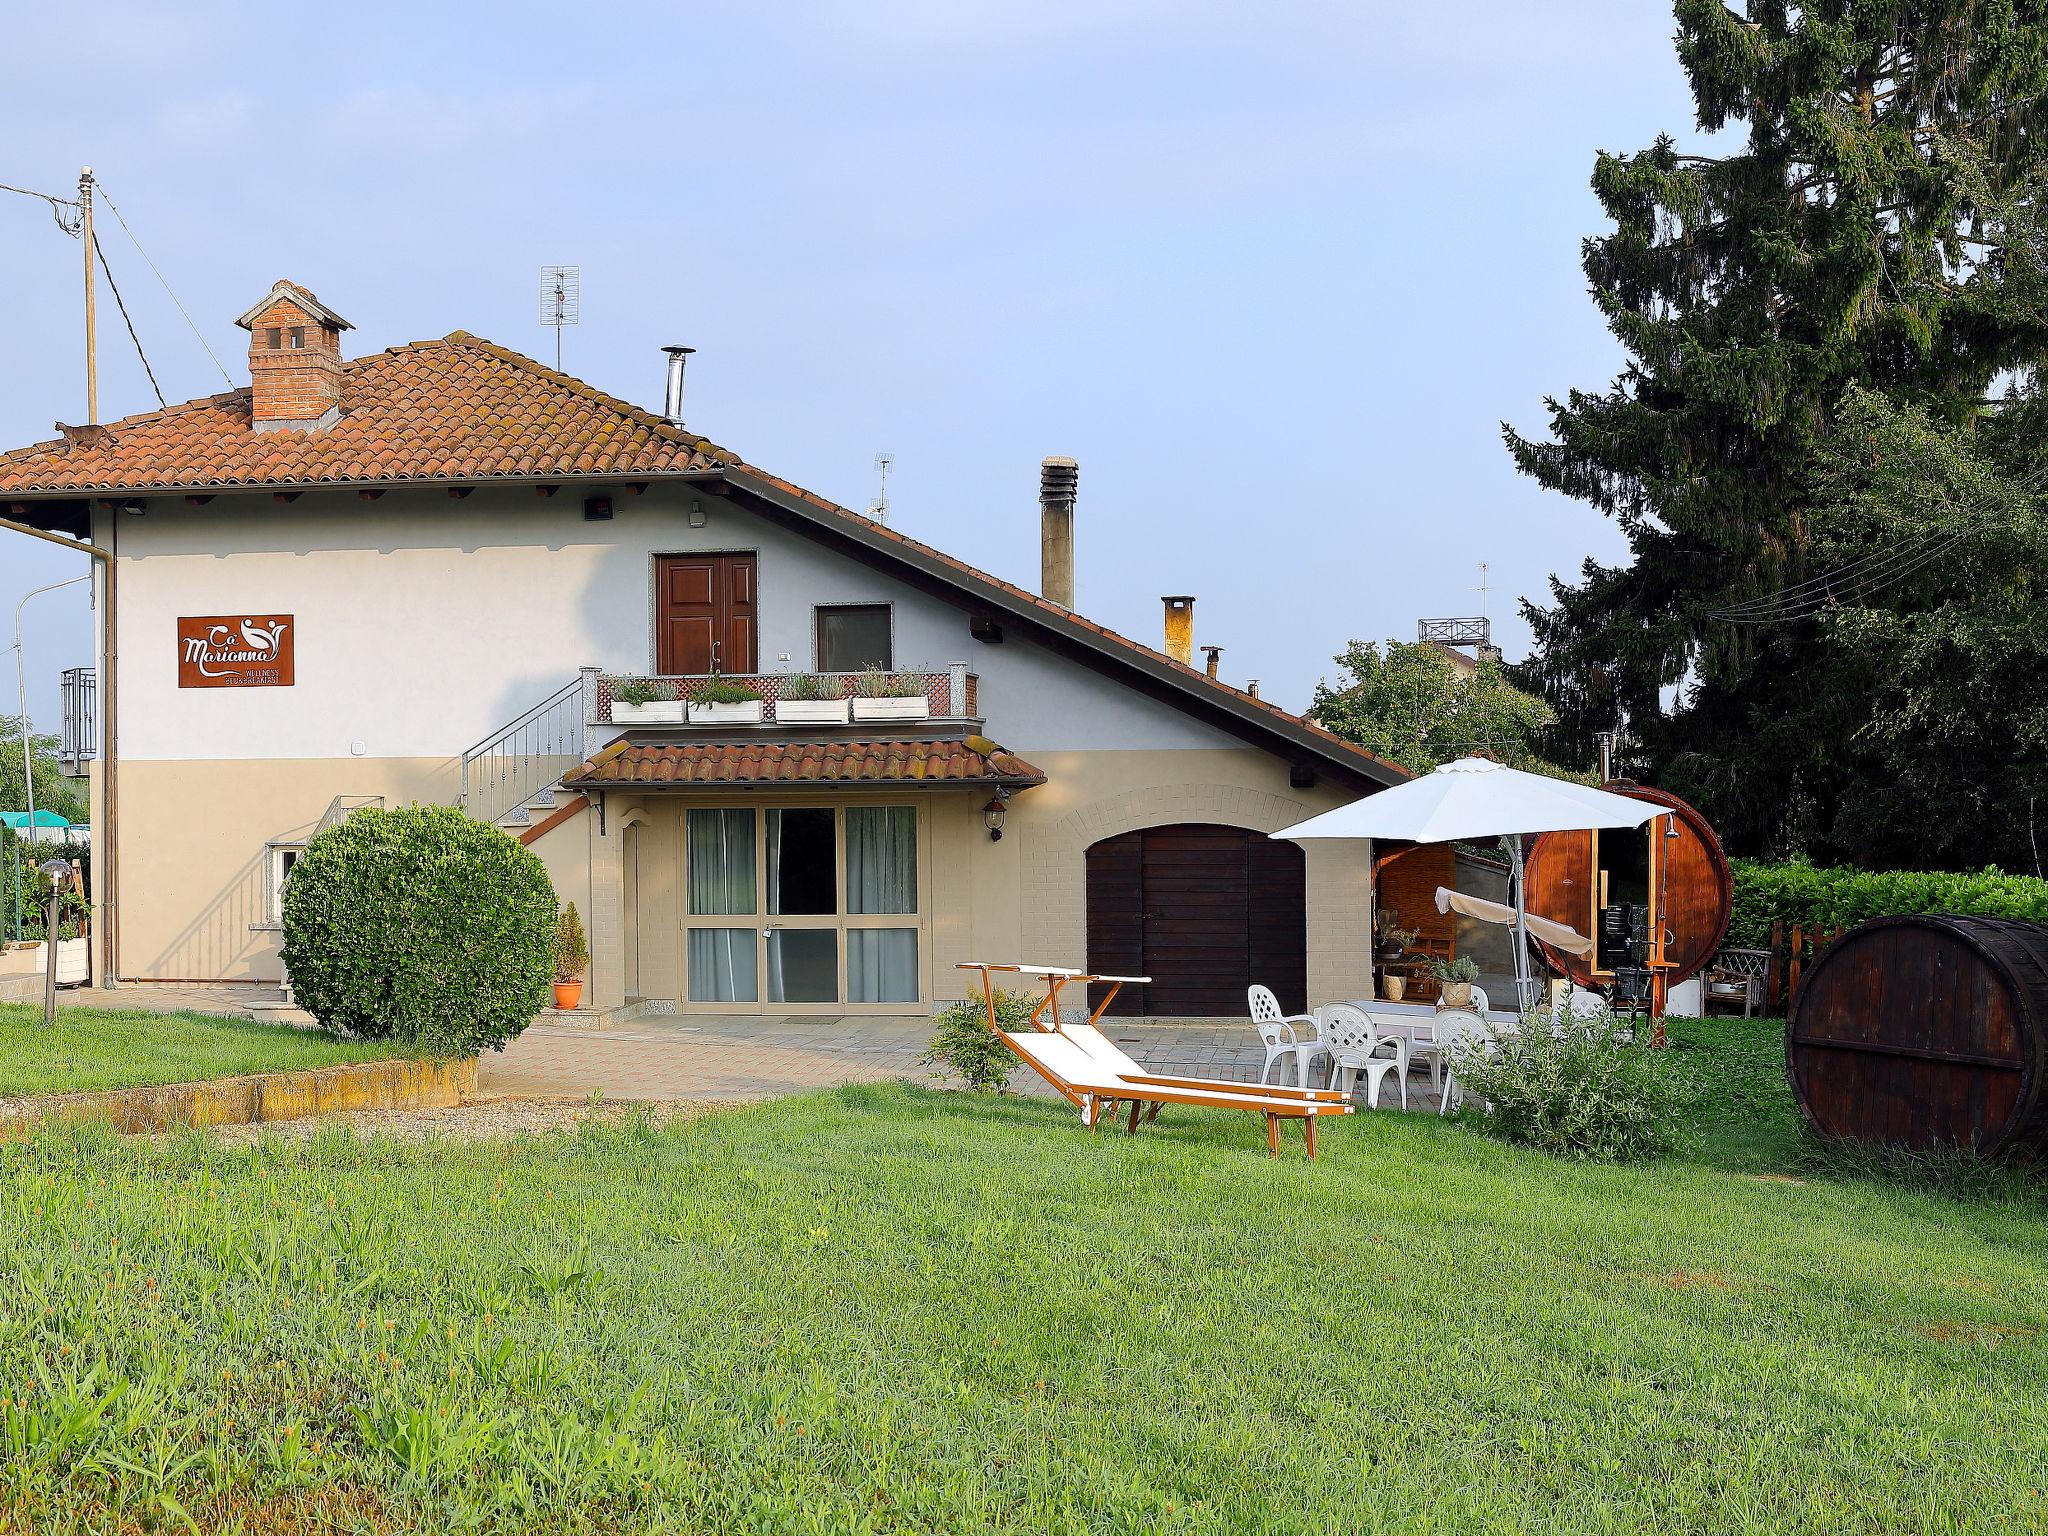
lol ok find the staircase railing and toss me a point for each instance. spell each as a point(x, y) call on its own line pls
point(339, 807)
point(513, 764)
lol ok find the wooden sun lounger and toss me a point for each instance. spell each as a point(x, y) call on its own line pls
point(1088, 1070)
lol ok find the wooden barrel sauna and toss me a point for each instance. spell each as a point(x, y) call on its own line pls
point(1925, 1032)
point(1685, 881)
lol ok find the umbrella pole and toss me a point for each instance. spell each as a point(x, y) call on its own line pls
point(1525, 984)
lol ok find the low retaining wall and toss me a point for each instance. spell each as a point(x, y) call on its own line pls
point(247, 1100)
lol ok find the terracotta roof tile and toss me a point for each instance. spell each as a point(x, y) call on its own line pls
point(460, 408)
point(464, 409)
point(974, 760)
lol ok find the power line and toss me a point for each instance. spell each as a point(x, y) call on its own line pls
point(121, 305)
point(57, 206)
point(1862, 576)
point(101, 187)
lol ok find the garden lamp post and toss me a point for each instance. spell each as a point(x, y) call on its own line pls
point(58, 873)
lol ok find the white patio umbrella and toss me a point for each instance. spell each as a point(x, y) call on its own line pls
point(1473, 799)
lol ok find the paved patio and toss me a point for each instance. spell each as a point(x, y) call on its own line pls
point(699, 1057)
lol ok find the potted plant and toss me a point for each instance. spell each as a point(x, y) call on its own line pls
point(639, 701)
point(808, 699)
point(879, 695)
point(716, 701)
point(1390, 939)
point(572, 958)
point(1454, 979)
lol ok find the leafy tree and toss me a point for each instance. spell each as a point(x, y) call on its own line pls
point(54, 792)
point(1881, 224)
point(1414, 705)
point(1944, 648)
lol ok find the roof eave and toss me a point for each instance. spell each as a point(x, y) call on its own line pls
point(1265, 719)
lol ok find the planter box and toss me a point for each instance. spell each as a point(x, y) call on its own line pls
point(660, 712)
point(748, 713)
point(915, 708)
point(810, 711)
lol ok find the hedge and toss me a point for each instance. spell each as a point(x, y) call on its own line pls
point(422, 925)
point(1840, 898)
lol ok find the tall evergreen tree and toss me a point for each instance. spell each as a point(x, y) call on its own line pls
point(1880, 224)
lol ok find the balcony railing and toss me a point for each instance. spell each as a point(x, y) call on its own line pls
point(951, 694)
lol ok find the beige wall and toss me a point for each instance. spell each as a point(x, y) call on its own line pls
point(192, 836)
point(193, 879)
point(1024, 897)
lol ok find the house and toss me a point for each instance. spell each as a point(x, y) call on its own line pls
point(444, 572)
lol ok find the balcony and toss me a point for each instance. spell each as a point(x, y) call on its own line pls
point(784, 701)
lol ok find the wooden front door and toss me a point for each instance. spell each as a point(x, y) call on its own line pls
point(704, 614)
point(1204, 911)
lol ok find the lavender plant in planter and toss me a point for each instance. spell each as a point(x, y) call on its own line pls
point(645, 703)
point(880, 695)
point(808, 699)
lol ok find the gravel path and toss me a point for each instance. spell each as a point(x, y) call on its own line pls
point(487, 1118)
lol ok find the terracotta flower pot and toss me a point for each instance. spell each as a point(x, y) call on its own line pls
point(568, 994)
point(1395, 987)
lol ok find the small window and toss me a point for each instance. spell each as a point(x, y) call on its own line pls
point(852, 637)
point(283, 858)
point(298, 336)
point(274, 338)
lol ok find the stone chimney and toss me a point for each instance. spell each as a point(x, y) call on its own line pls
point(294, 361)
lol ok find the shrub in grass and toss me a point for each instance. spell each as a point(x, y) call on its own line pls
point(964, 1046)
point(1586, 1092)
point(420, 925)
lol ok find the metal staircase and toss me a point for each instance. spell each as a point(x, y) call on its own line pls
point(510, 777)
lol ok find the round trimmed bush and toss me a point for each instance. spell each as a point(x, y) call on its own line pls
point(421, 925)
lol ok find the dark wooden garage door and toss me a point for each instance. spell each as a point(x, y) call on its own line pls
point(1204, 911)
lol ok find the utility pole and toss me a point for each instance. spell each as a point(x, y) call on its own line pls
point(92, 355)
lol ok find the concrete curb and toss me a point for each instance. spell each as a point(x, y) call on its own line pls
point(248, 1100)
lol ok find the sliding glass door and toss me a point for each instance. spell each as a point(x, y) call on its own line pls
point(806, 906)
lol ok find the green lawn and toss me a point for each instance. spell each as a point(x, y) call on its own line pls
point(888, 1309)
point(91, 1048)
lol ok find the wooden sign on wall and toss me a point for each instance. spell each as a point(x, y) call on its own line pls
point(235, 651)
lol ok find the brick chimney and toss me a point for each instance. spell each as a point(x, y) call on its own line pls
point(294, 361)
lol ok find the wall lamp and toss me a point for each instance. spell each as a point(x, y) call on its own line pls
point(993, 813)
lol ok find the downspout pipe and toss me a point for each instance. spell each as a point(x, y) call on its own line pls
point(105, 856)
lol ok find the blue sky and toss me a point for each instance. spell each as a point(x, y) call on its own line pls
point(1272, 274)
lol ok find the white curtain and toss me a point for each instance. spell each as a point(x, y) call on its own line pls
point(722, 963)
point(881, 859)
point(722, 968)
point(881, 965)
point(722, 861)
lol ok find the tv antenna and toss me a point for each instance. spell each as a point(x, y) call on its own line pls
point(1481, 589)
point(561, 301)
point(879, 509)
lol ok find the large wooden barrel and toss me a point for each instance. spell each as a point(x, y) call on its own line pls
point(1925, 1032)
point(1688, 875)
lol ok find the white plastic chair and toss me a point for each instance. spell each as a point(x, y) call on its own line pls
point(1355, 1046)
point(1458, 1035)
point(1480, 1005)
point(1282, 1033)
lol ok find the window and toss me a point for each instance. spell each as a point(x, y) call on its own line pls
point(830, 896)
point(279, 862)
point(273, 338)
point(854, 636)
point(298, 336)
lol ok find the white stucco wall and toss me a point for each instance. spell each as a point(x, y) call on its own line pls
point(424, 623)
